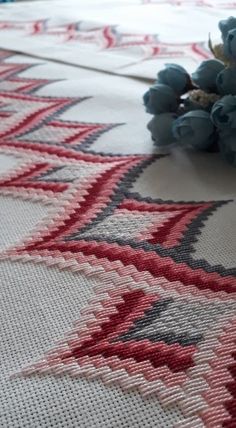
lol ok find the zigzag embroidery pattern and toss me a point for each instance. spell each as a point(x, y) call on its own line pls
point(160, 321)
point(110, 38)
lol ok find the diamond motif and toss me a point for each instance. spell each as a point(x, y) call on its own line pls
point(26, 111)
point(67, 133)
point(156, 223)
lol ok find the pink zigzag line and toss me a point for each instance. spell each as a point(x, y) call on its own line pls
point(105, 271)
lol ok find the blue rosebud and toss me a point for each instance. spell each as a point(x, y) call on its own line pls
point(194, 130)
point(226, 81)
point(161, 129)
point(206, 74)
point(160, 99)
point(176, 77)
point(227, 25)
point(223, 113)
point(230, 44)
point(227, 146)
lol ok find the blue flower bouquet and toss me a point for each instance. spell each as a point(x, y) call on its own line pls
point(198, 111)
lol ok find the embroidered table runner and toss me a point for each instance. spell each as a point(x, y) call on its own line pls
point(117, 266)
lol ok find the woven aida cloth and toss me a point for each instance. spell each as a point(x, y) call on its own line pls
point(117, 264)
